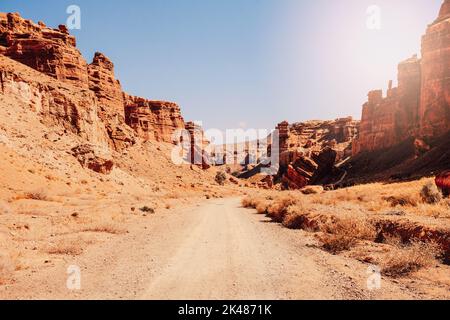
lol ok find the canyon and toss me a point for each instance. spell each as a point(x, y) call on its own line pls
point(88, 178)
point(402, 135)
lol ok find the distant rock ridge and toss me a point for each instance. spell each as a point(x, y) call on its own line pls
point(53, 52)
point(420, 106)
point(310, 150)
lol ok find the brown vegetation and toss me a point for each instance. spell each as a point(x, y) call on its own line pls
point(406, 259)
point(347, 218)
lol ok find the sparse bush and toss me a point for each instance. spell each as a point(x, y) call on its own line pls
point(249, 202)
point(411, 258)
point(104, 227)
point(279, 208)
point(66, 248)
point(220, 178)
point(262, 207)
point(430, 194)
point(147, 209)
point(312, 190)
point(36, 195)
point(401, 200)
point(336, 243)
point(343, 234)
point(294, 218)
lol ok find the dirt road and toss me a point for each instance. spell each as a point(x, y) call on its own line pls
point(216, 250)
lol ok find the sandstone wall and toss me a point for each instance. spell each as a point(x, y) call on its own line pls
point(153, 120)
point(420, 106)
point(435, 101)
point(53, 52)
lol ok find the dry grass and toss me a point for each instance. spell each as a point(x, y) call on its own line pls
point(67, 248)
point(278, 209)
point(348, 217)
point(407, 259)
point(344, 233)
point(104, 227)
point(401, 200)
point(430, 194)
point(299, 217)
point(35, 195)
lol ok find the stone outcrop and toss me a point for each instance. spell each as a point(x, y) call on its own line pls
point(197, 144)
point(94, 158)
point(103, 83)
point(309, 151)
point(434, 109)
point(59, 104)
point(153, 120)
point(443, 182)
point(111, 102)
point(53, 52)
point(420, 106)
point(50, 51)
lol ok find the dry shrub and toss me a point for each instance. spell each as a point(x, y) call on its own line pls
point(401, 200)
point(295, 217)
point(104, 227)
point(251, 202)
point(430, 193)
point(35, 195)
point(262, 207)
point(279, 208)
point(68, 248)
point(312, 190)
point(343, 234)
point(220, 178)
point(405, 260)
point(337, 243)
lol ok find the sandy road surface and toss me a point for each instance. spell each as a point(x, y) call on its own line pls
point(216, 250)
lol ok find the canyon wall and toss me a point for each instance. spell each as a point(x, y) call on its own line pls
point(153, 120)
point(310, 150)
point(53, 53)
point(420, 106)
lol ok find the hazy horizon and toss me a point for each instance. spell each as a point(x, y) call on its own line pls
point(247, 63)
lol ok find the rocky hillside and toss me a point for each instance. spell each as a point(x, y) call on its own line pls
point(310, 150)
point(412, 121)
point(66, 126)
point(402, 135)
point(53, 52)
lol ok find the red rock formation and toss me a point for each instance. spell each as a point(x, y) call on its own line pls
point(197, 154)
point(387, 121)
point(51, 51)
point(58, 104)
point(153, 120)
point(443, 182)
point(435, 95)
point(94, 158)
point(420, 106)
point(111, 102)
point(309, 151)
point(104, 84)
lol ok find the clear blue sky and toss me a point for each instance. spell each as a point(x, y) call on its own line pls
point(255, 62)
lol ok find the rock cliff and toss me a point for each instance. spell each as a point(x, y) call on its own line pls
point(309, 151)
point(153, 120)
point(419, 107)
point(53, 52)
